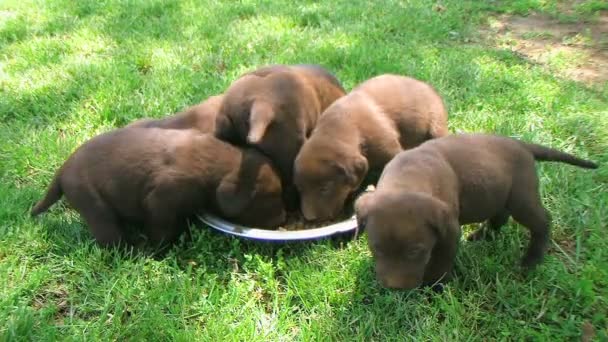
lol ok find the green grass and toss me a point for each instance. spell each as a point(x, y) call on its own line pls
point(72, 69)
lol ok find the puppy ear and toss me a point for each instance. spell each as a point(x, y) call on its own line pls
point(445, 222)
point(362, 205)
point(356, 170)
point(261, 116)
point(232, 197)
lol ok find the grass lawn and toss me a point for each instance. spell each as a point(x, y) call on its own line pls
point(72, 69)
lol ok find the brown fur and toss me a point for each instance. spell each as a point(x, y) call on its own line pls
point(275, 108)
point(413, 218)
point(361, 132)
point(326, 86)
point(162, 177)
point(201, 117)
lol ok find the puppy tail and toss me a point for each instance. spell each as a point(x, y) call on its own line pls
point(53, 194)
point(543, 153)
point(261, 116)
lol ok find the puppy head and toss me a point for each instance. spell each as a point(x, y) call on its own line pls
point(252, 194)
point(325, 177)
point(409, 235)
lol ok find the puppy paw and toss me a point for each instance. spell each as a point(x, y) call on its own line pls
point(530, 261)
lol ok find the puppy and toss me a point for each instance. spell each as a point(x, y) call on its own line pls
point(362, 131)
point(274, 109)
point(201, 117)
point(162, 177)
point(327, 87)
point(423, 196)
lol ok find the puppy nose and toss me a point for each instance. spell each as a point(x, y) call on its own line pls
point(396, 284)
point(309, 215)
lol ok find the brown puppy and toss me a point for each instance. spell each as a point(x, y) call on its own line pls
point(201, 117)
point(413, 218)
point(363, 131)
point(327, 87)
point(162, 177)
point(275, 108)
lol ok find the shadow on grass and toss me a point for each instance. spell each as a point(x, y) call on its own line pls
point(50, 103)
point(429, 53)
point(479, 85)
point(228, 37)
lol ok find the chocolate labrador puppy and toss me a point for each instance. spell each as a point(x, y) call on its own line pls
point(274, 109)
point(201, 117)
point(162, 177)
point(362, 131)
point(327, 87)
point(413, 218)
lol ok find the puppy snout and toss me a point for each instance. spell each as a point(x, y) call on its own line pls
point(278, 219)
point(397, 283)
point(309, 215)
point(308, 211)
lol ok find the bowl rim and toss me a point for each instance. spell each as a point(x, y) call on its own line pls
point(217, 223)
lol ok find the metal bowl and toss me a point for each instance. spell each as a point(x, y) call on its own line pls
point(348, 225)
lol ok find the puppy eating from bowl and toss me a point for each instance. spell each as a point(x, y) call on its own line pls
point(274, 109)
point(361, 132)
point(160, 178)
point(423, 196)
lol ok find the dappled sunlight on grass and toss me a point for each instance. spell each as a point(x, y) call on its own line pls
point(70, 70)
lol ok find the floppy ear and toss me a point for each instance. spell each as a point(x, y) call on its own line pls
point(261, 115)
point(445, 223)
point(362, 205)
point(446, 226)
point(355, 171)
point(232, 197)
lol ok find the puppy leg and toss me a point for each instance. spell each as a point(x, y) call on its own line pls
point(291, 198)
point(493, 226)
point(162, 228)
point(526, 207)
point(161, 223)
point(536, 219)
point(101, 219)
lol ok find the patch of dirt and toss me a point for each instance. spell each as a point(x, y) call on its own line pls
point(588, 332)
point(57, 296)
point(583, 46)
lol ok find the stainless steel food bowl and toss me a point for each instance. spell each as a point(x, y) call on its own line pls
point(348, 225)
